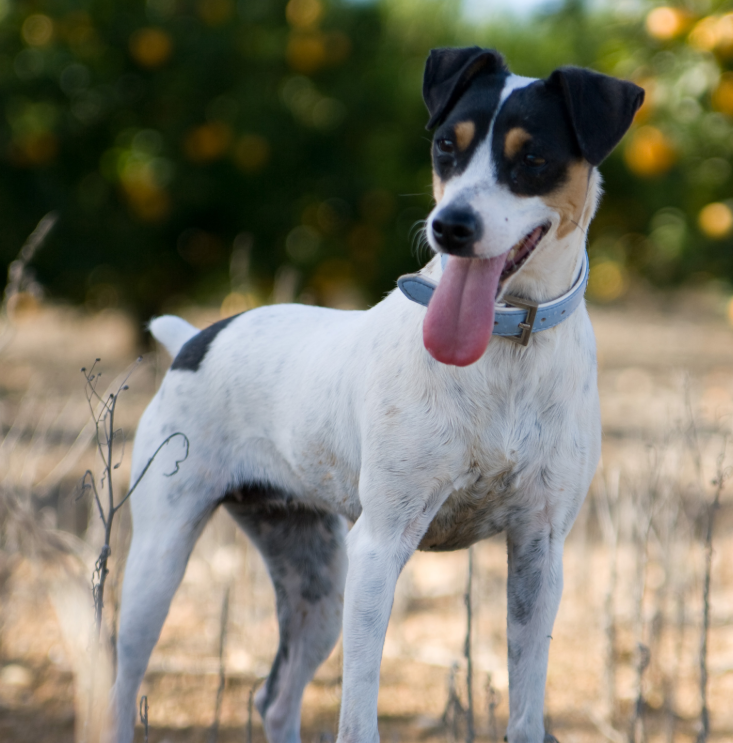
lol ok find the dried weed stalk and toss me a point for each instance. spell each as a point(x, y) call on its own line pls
point(455, 715)
point(638, 731)
point(470, 728)
point(144, 715)
point(454, 712)
point(214, 731)
point(648, 502)
point(250, 704)
point(21, 278)
point(719, 483)
point(250, 709)
point(607, 507)
point(492, 702)
point(111, 447)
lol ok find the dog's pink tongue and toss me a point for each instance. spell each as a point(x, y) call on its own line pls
point(460, 317)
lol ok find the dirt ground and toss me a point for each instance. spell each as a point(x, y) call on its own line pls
point(661, 366)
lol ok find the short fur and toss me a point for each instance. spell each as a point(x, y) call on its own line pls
point(301, 419)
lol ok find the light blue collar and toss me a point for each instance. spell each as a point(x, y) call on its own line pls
point(514, 318)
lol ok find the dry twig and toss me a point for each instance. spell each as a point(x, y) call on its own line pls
point(492, 701)
point(454, 711)
point(103, 414)
point(21, 278)
point(637, 732)
point(214, 732)
point(250, 709)
point(607, 497)
point(719, 484)
point(144, 715)
point(470, 730)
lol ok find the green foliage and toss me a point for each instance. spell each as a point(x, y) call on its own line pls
point(196, 149)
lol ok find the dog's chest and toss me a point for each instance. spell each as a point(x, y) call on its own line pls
point(485, 506)
point(537, 451)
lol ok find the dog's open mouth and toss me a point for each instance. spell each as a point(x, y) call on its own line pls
point(521, 252)
point(460, 317)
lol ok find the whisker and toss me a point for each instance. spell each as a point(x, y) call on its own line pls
point(419, 239)
point(585, 232)
point(415, 236)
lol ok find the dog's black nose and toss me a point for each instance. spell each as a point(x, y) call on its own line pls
point(457, 230)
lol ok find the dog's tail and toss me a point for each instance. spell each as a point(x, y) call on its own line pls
point(172, 332)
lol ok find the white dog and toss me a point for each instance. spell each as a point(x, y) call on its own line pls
point(407, 422)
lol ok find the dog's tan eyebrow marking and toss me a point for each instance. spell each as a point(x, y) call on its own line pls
point(514, 141)
point(465, 131)
point(569, 200)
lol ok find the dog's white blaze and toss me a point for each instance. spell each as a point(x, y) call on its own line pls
point(513, 82)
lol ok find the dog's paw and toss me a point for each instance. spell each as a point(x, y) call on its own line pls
point(550, 738)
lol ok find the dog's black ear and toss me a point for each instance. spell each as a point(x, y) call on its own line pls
point(601, 108)
point(448, 72)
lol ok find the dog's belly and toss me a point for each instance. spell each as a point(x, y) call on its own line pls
point(465, 518)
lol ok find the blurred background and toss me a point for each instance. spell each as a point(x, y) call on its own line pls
point(232, 152)
point(209, 156)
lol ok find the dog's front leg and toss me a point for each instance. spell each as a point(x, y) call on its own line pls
point(382, 540)
point(534, 588)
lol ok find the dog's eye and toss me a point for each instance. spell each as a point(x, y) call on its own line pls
point(445, 146)
point(534, 161)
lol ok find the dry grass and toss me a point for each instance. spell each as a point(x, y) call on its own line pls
point(644, 520)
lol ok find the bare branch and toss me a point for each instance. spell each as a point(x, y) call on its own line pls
point(470, 729)
point(492, 702)
point(454, 710)
point(637, 732)
point(719, 482)
point(144, 715)
point(121, 433)
point(152, 459)
point(250, 710)
point(20, 279)
point(214, 732)
point(91, 387)
point(92, 485)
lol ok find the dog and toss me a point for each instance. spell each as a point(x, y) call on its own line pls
point(426, 428)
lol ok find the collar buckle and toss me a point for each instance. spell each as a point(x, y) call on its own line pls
point(528, 325)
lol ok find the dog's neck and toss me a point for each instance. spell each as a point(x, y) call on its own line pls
point(551, 271)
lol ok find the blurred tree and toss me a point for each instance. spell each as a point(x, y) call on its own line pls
point(184, 142)
point(212, 149)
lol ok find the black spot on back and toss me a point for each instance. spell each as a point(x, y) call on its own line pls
point(539, 109)
point(192, 353)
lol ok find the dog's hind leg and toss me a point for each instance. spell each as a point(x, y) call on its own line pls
point(306, 557)
point(168, 515)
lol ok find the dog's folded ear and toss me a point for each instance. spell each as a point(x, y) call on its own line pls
point(448, 72)
point(601, 108)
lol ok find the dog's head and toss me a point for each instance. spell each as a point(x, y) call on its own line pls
point(513, 172)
